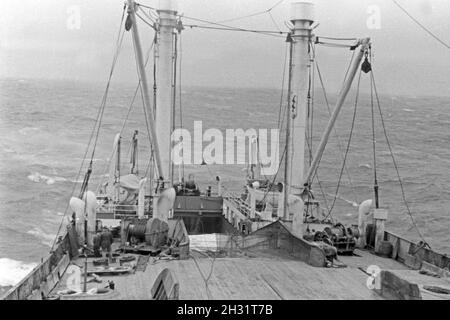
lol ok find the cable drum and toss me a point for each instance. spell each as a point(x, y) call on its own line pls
point(137, 229)
point(153, 232)
point(156, 232)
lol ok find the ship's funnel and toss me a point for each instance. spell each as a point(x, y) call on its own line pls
point(302, 11)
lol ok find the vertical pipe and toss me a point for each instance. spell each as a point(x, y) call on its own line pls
point(164, 82)
point(174, 95)
point(288, 160)
point(302, 19)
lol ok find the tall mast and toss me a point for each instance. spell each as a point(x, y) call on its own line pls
point(164, 55)
point(302, 17)
point(144, 87)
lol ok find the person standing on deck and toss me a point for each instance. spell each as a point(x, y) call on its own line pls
point(97, 244)
point(106, 240)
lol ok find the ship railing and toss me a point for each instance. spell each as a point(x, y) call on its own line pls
point(236, 199)
point(121, 209)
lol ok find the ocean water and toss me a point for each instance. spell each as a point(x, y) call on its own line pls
point(45, 126)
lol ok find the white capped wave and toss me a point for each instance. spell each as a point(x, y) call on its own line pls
point(12, 271)
point(46, 238)
point(27, 130)
point(47, 212)
point(93, 160)
point(353, 203)
point(37, 177)
point(8, 150)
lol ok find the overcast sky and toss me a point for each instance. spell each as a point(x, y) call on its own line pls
point(35, 42)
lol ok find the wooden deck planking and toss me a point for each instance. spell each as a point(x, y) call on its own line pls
point(244, 278)
point(365, 259)
point(301, 280)
point(257, 268)
point(191, 284)
point(220, 275)
point(267, 279)
point(241, 285)
point(283, 279)
point(235, 286)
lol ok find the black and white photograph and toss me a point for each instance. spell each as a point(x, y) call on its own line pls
point(244, 151)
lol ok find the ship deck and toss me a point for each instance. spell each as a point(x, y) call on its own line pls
point(267, 275)
point(266, 265)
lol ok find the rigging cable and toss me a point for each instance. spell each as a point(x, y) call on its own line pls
point(318, 179)
point(280, 121)
point(310, 113)
point(394, 161)
point(130, 107)
point(220, 26)
point(105, 96)
point(281, 110)
point(337, 39)
point(374, 141)
point(348, 145)
point(280, 115)
point(254, 14)
point(205, 279)
point(335, 45)
point(340, 146)
point(274, 22)
point(142, 98)
point(99, 115)
point(277, 34)
point(145, 21)
point(152, 19)
point(211, 270)
point(421, 25)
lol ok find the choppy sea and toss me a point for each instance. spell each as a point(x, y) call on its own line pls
point(45, 126)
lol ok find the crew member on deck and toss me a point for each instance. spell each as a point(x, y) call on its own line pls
point(106, 240)
point(97, 244)
point(191, 187)
point(190, 184)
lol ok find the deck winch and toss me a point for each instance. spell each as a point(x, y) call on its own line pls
point(153, 232)
point(338, 236)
